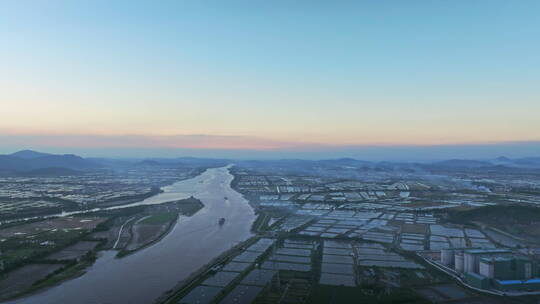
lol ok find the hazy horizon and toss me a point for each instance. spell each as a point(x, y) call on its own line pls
point(369, 153)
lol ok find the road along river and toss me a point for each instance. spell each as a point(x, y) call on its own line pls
point(193, 242)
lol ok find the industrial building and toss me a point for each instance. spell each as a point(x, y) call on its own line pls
point(517, 285)
point(500, 269)
point(472, 257)
point(468, 260)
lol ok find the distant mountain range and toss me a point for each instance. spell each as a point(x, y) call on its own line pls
point(33, 163)
point(28, 162)
point(352, 168)
point(462, 163)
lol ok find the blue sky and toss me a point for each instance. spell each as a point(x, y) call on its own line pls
point(269, 75)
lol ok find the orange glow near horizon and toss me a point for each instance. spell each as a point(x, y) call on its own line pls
point(204, 141)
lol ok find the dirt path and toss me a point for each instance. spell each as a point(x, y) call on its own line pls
point(120, 232)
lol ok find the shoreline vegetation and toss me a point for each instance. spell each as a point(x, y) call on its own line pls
point(150, 225)
point(156, 223)
point(125, 252)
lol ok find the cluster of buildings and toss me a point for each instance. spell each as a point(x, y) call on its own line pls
point(499, 269)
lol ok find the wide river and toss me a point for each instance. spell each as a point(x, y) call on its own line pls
point(193, 242)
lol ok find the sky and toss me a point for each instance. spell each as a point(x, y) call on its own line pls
point(133, 77)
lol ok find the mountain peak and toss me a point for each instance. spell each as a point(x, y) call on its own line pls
point(29, 154)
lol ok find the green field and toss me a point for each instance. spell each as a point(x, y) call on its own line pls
point(160, 218)
point(518, 220)
point(18, 251)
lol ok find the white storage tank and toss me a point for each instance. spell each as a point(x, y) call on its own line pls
point(487, 268)
point(458, 262)
point(447, 257)
point(470, 262)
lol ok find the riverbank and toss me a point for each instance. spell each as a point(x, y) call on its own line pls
point(49, 271)
point(176, 293)
point(193, 242)
point(156, 222)
point(41, 276)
